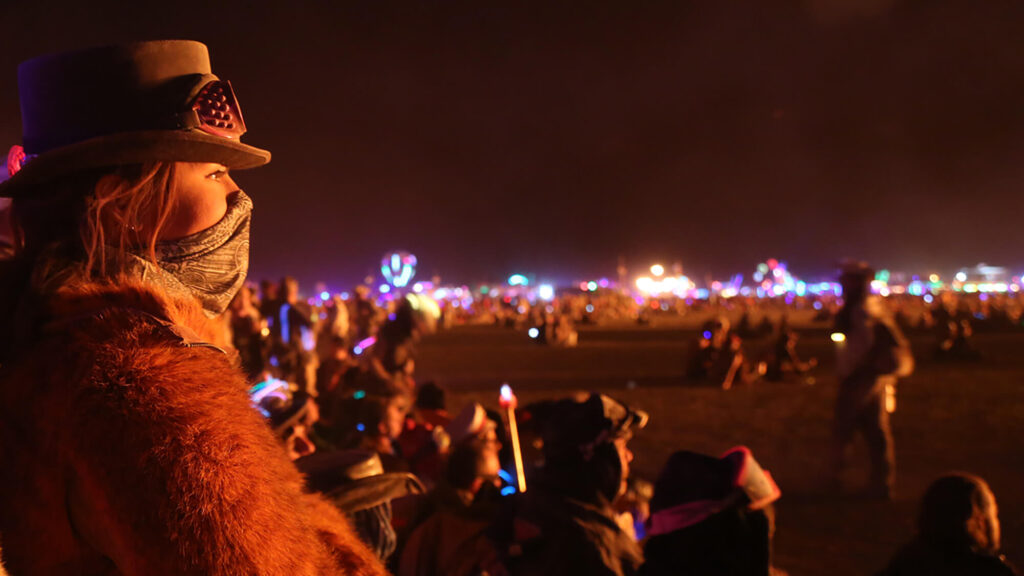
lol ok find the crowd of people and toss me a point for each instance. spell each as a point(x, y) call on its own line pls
point(158, 416)
point(437, 492)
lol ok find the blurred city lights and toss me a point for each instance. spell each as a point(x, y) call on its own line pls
point(546, 292)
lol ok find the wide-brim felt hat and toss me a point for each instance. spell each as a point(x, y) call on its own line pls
point(122, 105)
point(355, 479)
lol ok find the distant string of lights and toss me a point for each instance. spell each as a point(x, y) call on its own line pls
point(769, 279)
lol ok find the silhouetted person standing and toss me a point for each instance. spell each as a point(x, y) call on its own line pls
point(871, 353)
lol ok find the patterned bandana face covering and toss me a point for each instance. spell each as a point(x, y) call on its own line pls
point(210, 265)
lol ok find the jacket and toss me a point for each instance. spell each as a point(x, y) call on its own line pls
point(129, 446)
point(551, 534)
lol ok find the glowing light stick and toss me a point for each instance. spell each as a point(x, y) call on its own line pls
point(363, 345)
point(508, 402)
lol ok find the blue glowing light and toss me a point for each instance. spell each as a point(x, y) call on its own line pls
point(533, 332)
point(325, 295)
point(359, 394)
point(308, 339)
point(508, 490)
point(286, 332)
point(384, 288)
point(361, 427)
point(707, 334)
point(518, 280)
point(357, 350)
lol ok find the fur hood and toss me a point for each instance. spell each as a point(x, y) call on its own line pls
point(130, 447)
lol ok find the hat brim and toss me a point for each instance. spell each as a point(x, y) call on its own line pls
point(133, 148)
point(371, 491)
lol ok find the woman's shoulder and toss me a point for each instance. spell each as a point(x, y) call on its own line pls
point(129, 345)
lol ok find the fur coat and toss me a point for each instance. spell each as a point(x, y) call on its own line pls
point(130, 447)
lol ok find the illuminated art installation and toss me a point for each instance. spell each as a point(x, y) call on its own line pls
point(398, 268)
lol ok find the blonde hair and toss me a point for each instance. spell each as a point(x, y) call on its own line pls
point(97, 218)
point(127, 211)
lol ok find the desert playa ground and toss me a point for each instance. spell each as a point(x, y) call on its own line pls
point(950, 417)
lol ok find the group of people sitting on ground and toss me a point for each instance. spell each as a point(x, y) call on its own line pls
point(436, 494)
point(718, 356)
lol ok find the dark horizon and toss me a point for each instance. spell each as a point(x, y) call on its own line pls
point(526, 137)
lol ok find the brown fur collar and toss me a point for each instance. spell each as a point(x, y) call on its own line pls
point(127, 453)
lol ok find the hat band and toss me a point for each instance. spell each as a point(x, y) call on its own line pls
point(214, 110)
point(685, 515)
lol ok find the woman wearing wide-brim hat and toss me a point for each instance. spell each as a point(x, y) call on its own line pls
point(128, 442)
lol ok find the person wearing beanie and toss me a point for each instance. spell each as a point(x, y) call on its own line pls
point(129, 442)
point(711, 516)
point(957, 532)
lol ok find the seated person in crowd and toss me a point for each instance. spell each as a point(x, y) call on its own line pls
point(424, 442)
point(565, 522)
point(355, 481)
point(957, 532)
point(451, 540)
point(371, 416)
point(784, 359)
point(717, 358)
point(711, 516)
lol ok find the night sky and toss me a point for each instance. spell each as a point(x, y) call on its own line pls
point(492, 137)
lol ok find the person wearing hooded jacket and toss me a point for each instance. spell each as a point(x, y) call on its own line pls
point(565, 522)
point(129, 442)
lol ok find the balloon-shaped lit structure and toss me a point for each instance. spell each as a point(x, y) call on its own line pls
point(398, 268)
